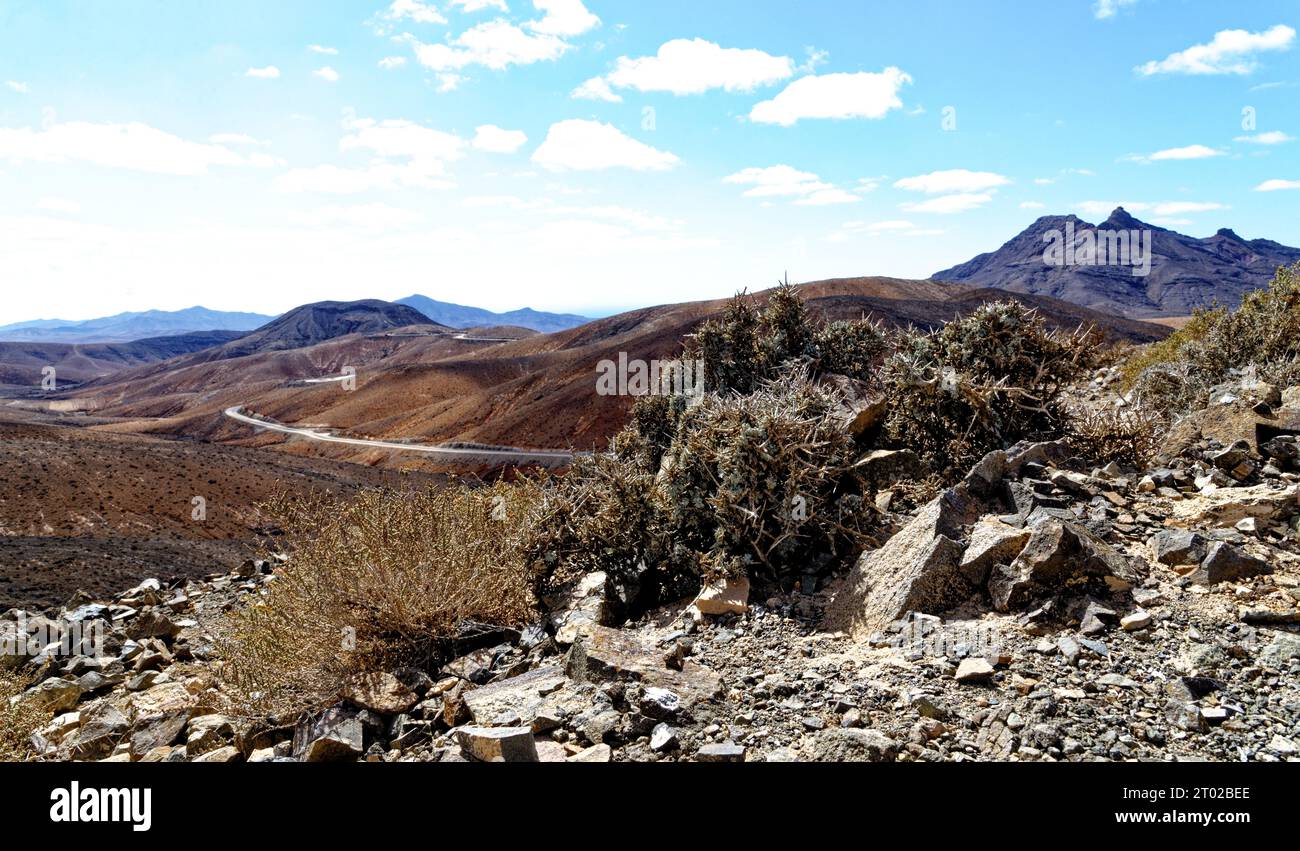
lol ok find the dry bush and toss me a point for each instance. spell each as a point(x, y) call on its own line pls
point(382, 580)
point(1177, 374)
point(762, 485)
point(19, 718)
point(982, 382)
point(749, 346)
point(1128, 436)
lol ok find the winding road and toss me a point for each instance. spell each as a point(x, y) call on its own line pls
point(519, 456)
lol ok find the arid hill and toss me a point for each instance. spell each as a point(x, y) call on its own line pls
point(21, 364)
point(538, 392)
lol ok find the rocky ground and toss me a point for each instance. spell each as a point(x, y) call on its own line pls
point(1043, 609)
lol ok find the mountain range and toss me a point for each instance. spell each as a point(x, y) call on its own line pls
point(461, 316)
point(124, 327)
point(1185, 273)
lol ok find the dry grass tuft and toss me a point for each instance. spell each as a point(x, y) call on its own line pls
point(383, 580)
point(19, 718)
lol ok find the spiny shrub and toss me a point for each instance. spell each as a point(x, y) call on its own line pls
point(748, 345)
point(1177, 375)
point(761, 485)
point(982, 382)
point(382, 580)
point(1128, 436)
point(19, 717)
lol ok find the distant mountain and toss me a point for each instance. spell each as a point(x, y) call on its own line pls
point(315, 323)
point(125, 327)
point(1185, 272)
point(21, 364)
point(460, 316)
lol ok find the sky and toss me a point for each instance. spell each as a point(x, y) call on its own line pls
point(592, 156)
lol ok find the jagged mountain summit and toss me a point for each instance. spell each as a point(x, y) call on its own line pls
point(463, 316)
point(1156, 273)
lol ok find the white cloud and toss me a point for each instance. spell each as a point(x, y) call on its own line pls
point(327, 73)
point(1107, 8)
point(949, 204)
point(320, 48)
point(693, 66)
point(806, 188)
point(133, 146)
point(370, 216)
point(494, 44)
point(406, 155)
point(21, 88)
point(825, 197)
point(1272, 137)
point(1276, 185)
point(1044, 181)
point(564, 18)
point(59, 205)
point(860, 95)
point(489, 137)
point(1158, 208)
point(270, 72)
point(1229, 52)
point(235, 139)
point(1186, 152)
point(892, 228)
point(597, 88)
point(952, 180)
point(414, 10)
point(580, 145)
point(471, 6)
point(390, 62)
point(1030, 205)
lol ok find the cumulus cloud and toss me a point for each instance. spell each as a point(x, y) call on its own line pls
point(320, 48)
point(133, 146)
point(952, 180)
point(270, 72)
point(489, 137)
point(1277, 185)
point(1272, 137)
point(564, 18)
point(784, 181)
point(860, 95)
point(327, 73)
point(471, 6)
point(694, 66)
point(948, 204)
point(1229, 52)
point(414, 10)
point(581, 145)
point(495, 44)
point(1187, 152)
point(403, 155)
point(20, 87)
point(1105, 9)
point(391, 62)
point(1158, 208)
point(597, 88)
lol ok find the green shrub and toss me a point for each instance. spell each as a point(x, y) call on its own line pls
point(1177, 374)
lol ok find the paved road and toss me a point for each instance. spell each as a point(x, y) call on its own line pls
point(519, 456)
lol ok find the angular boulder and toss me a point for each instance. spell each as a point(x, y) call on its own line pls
point(1059, 555)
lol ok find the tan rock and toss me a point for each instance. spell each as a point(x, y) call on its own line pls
point(724, 597)
point(380, 692)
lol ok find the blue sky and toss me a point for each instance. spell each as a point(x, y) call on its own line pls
point(590, 158)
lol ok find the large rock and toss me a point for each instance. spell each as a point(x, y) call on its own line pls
point(522, 698)
point(1060, 556)
point(918, 569)
point(579, 604)
point(992, 542)
point(498, 744)
point(853, 745)
point(1225, 563)
point(56, 695)
point(1178, 547)
point(602, 654)
point(1227, 507)
point(884, 467)
point(100, 731)
point(723, 597)
point(336, 735)
point(380, 692)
